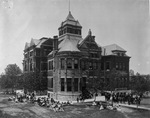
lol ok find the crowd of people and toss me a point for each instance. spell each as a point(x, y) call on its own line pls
point(124, 98)
point(41, 101)
point(21, 97)
point(51, 103)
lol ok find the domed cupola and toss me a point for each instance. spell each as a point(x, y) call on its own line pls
point(70, 26)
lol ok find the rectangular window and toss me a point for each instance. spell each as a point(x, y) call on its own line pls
point(31, 65)
point(62, 84)
point(82, 65)
point(122, 54)
point(118, 54)
point(76, 80)
point(50, 65)
point(37, 52)
point(69, 84)
point(123, 66)
point(31, 53)
point(90, 66)
point(102, 66)
point(107, 65)
point(76, 64)
point(50, 82)
point(62, 64)
point(69, 63)
point(117, 66)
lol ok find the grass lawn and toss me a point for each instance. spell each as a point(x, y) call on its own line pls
point(9, 109)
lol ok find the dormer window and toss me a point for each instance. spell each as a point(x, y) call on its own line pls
point(122, 54)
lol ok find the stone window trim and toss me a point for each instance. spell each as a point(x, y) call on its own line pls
point(62, 63)
point(50, 65)
point(69, 63)
point(62, 84)
point(69, 84)
point(76, 63)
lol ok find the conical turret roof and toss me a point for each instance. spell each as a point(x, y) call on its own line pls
point(70, 21)
point(70, 17)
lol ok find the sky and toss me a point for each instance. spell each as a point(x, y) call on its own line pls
point(122, 22)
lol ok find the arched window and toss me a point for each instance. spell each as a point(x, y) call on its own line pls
point(69, 63)
point(76, 63)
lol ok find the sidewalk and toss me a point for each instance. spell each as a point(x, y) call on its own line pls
point(135, 106)
point(101, 98)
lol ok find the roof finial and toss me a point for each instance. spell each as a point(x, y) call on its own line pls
point(90, 33)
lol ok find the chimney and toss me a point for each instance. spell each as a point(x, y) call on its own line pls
point(55, 43)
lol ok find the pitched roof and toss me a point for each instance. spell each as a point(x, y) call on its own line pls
point(70, 17)
point(34, 42)
point(69, 44)
point(89, 36)
point(109, 49)
point(41, 41)
point(27, 45)
point(71, 21)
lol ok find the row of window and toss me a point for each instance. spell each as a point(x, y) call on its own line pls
point(37, 53)
point(120, 54)
point(74, 64)
point(118, 81)
point(70, 30)
point(119, 66)
point(72, 84)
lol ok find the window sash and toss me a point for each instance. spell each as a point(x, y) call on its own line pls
point(76, 81)
point(69, 63)
point(62, 63)
point(69, 84)
point(62, 84)
point(76, 63)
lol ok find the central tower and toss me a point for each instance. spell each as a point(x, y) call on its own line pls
point(70, 27)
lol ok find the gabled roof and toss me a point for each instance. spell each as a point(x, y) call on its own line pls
point(34, 42)
point(109, 49)
point(88, 37)
point(41, 41)
point(27, 45)
point(69, 44)
point(82, 41)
